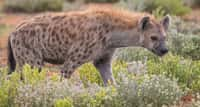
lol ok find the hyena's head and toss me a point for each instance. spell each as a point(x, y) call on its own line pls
point(153, 34)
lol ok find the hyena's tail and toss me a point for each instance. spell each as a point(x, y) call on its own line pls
point(11, 59)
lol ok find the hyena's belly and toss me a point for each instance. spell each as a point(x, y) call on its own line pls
point(53, 56)
point(54, 61)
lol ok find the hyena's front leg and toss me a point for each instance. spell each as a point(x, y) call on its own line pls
point(103, 65)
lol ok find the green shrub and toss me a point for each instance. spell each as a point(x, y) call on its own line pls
point(159, 13)
point(8, 88)
point(175, 7)
point(33, 5)
point(46, 92)
point(186, 46)
point(89, 74)
point(134, 5)
point(37, 95)
point(180, 26)
point(183, 40)
point(185, 70)
point(103, 97)
point(63, 103)
point(154, 91)
point(164, 90)
point(9, 84)
point(129, 93)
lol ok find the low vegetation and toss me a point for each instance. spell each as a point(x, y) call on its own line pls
point(154, 83)
point(33, 5)
point(37, 90)
point(174, 7)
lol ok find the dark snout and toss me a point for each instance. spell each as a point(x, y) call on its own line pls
point(161, 50)
point(164, 51)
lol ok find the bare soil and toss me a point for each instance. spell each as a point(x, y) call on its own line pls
point(193, 15)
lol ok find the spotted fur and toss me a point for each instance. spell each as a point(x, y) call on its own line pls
point(74, 38)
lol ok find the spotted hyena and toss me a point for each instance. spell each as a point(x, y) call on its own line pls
point(74, 38)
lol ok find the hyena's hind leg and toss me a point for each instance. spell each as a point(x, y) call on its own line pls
point(34, 59)
point(30, 57)
point(27, 56)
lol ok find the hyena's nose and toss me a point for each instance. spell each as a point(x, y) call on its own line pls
point(164, 51)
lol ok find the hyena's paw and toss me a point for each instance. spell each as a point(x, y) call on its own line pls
point(66, 74)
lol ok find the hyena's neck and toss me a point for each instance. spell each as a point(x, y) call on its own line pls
point(125, 38)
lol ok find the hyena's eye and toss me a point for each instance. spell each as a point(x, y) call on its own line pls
point(154, 38)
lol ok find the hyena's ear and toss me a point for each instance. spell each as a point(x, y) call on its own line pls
point(144, 23)
point(165, 22)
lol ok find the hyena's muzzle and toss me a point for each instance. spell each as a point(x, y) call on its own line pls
point(161, 49)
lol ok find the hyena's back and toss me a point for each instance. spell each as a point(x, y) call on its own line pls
point(72, 39)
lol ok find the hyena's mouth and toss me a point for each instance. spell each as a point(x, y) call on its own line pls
point(158, 52)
